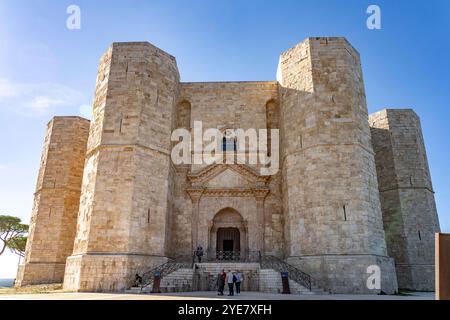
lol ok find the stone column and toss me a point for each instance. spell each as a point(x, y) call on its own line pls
point(260, 196)
point(195, 195)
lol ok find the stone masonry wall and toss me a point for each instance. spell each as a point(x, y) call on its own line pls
point(225, 105)
point(331, 202)
point(132, 208)
point(56, 202)
point(123, 216)
point(229, 105)
point(407, 196)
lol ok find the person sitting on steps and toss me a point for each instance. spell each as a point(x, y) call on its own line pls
point(137, 280)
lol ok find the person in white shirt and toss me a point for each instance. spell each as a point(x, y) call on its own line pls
point(230, 282)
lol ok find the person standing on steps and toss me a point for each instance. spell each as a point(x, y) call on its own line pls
point(221, 282)
point(230, 283)
point(199, 253)
point(238, 283)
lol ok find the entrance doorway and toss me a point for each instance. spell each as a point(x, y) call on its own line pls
point(228, 238)
point(228, 243)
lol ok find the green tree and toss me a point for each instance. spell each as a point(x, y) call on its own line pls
point(18, 245)
point(12, 235)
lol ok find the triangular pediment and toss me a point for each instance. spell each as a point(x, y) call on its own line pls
point(227, 175)
point(228, 179)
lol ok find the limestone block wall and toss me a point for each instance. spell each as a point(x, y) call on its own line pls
point(274, 219)
point(407, 196)
point(56, 201)
point(123, 217)
point(330, 191)
point(233, 105)
point(229, 105)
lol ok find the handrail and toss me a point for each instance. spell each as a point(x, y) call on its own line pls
point(166, 268)
point(266, 262)
point(232, 256)
point(272, 262)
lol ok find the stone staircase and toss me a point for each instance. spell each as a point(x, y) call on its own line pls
point(270, 282)
point(203, 277)
point(206, 274)
point(180, 280)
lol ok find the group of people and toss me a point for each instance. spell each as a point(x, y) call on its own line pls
point(232, 279)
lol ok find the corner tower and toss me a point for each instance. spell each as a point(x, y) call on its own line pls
point(333, 221)
point(56, 201)
point(407, 196)
point(123, 216)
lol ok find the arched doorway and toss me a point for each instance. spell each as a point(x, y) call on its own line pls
point(228, 235)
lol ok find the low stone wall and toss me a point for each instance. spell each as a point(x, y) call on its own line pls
point(105, 272)
point(39, 273)
point(348, 274)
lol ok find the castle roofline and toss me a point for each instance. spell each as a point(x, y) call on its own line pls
point(394, 110)
point(67, 117)
point(142, 43)
point(231, 82)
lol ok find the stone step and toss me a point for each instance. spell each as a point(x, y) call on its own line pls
point(133, 290)
point(177, 281)
point(267, 280)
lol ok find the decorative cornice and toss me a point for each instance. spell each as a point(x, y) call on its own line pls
point(227, 192)
point(195, 193)
point(261, 194)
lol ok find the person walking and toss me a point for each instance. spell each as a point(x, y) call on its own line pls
point(230, 282)
point(221, 282)
point(238, 283)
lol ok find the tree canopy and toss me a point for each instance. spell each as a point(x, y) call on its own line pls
point(13, 235)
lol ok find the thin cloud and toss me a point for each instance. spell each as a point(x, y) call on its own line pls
point(86, 111)
point(37, 98)
point(3, 168)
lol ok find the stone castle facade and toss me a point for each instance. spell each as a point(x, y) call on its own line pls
point(352, 191)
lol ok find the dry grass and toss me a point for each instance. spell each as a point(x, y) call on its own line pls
point(37, 289)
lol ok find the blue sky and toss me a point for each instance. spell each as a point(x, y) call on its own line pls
point(47, 70)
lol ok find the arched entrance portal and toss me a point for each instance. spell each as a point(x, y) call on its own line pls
point(228, 235)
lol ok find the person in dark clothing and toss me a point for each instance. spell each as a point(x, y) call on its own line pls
point(199, 253)
point(238, 283)
point(137, 280)
point(221, 282)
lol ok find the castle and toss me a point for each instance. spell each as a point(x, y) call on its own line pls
point(353, 190)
